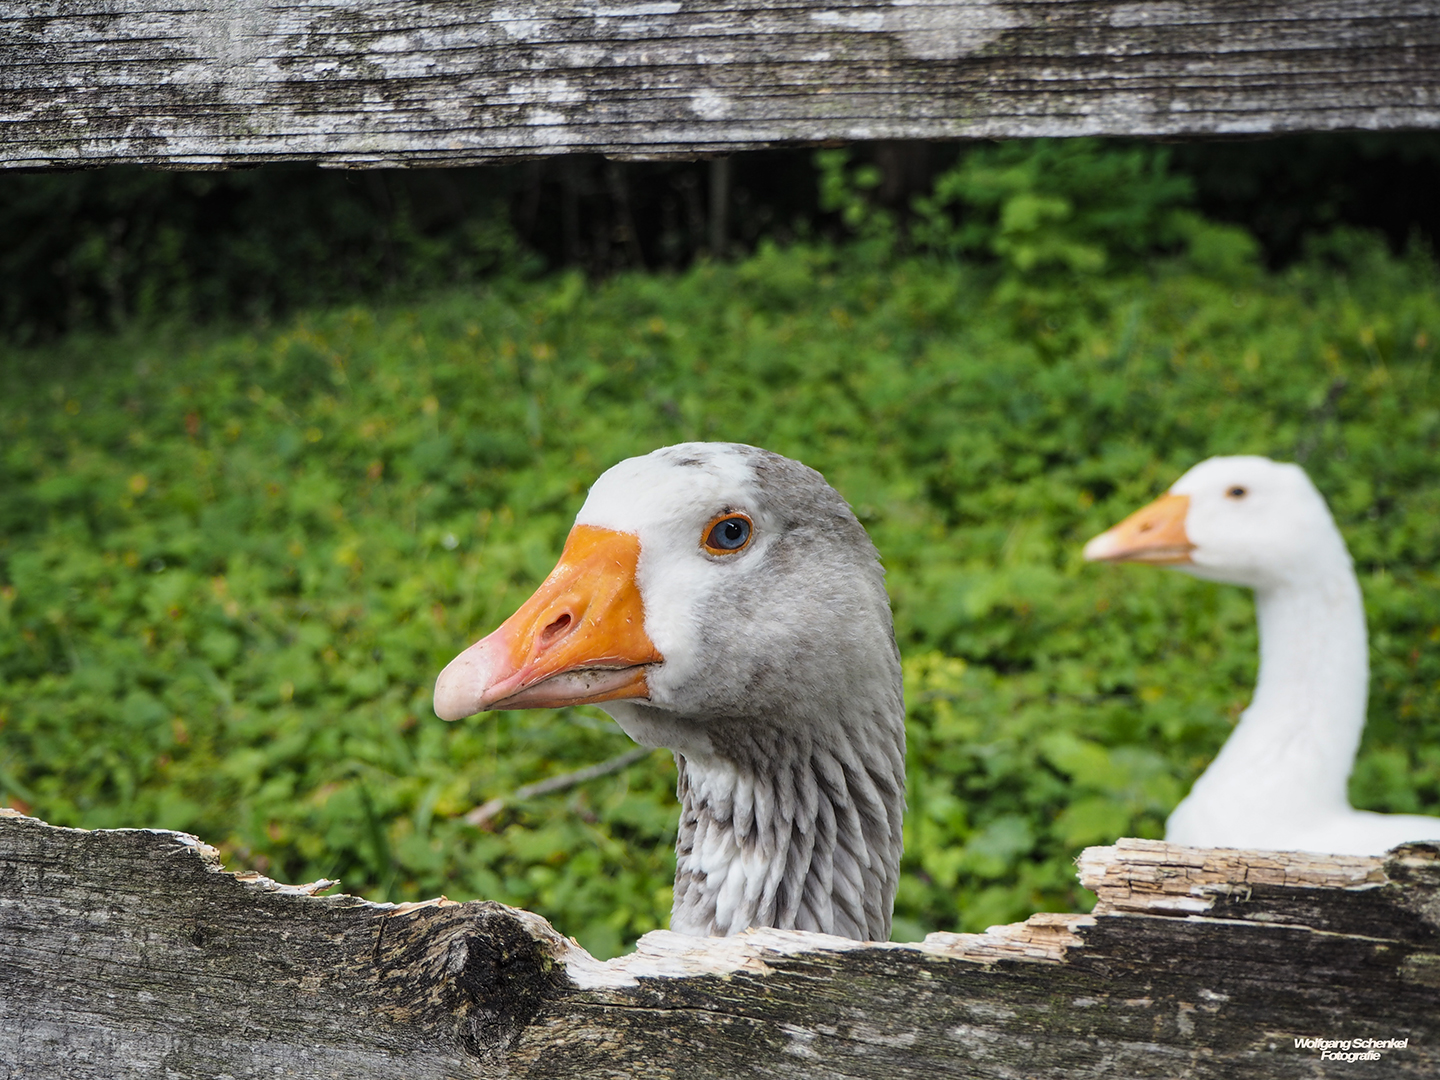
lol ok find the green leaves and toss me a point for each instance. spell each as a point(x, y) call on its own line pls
point(1070, 204)
point(230, 567)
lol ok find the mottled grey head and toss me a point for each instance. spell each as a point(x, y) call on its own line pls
point(723, 601)
point(705, 581)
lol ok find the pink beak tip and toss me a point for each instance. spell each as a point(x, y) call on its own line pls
point(460, 690)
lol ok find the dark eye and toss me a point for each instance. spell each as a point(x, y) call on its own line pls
point(728, 534)
point(1236, 492)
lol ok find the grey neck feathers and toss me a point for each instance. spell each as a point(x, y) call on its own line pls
point(802, 835)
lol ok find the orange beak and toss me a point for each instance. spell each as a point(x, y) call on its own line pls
point(1153, 534)
point(579, 640)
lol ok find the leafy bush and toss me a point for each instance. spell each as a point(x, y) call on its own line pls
point(120, 246)
point(232, 565)
point(124, 247)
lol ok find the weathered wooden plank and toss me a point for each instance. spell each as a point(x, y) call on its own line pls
point(132, 952)
point(1334, 894)
point(196, 83)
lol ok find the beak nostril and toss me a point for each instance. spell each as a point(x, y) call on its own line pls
point(555, 630)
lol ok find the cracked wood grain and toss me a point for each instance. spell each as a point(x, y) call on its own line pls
point(200, 83)
point(134, 953)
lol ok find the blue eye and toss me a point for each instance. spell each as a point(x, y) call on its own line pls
point(728, 535)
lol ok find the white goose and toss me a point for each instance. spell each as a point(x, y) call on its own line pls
point(724, 602)
point(1279, 782)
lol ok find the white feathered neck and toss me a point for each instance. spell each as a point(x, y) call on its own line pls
point(1280, 781)
point(1281, 778)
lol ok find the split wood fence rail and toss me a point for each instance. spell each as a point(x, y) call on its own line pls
point(131, 953)
point(217, 83)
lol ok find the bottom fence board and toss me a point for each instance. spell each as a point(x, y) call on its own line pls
point(132, 952)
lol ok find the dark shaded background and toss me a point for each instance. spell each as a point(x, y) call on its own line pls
point(104, 248)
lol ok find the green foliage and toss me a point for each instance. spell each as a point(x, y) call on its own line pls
point(1075, 205)
point(232, 565)
point(120, 246)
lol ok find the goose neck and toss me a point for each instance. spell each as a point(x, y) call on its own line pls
point(1304, 722)
point(796, 833)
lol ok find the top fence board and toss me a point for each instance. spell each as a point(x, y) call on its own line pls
point(216, 83)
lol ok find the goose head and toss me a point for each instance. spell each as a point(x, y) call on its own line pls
point(1279, 781)
point(724, 602)
point(1241, 520)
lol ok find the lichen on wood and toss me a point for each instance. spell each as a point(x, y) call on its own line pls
point(411, 82)
point(133, 952)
